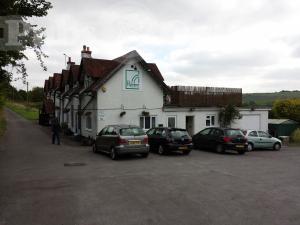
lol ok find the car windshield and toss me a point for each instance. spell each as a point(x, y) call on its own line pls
point(132, 131)
point(179, 133)
point(230, 133)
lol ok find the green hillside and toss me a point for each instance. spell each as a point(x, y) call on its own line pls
point(267, 99)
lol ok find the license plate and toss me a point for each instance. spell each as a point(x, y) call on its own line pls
point(134, 142)
point(183, 148)
point(239, 146)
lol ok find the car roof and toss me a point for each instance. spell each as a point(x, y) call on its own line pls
point(169, 128)
point(122, 125)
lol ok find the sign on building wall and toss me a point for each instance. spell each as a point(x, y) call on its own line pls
point(132, 80)
point(101, 116)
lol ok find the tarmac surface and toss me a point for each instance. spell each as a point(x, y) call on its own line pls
point(45, 184)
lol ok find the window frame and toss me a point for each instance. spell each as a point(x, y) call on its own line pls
point(151, 121)
point(175, 118)
point(209, 118)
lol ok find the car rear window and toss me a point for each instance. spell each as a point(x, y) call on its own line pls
point(132, 131)
point(179, 133)
point(230, 133)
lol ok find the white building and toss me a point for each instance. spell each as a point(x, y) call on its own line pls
point(128, 90)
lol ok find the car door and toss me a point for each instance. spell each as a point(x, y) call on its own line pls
point(265, 140)
point(202, 138)
point(109, 139)
point(254, 139)
point(100, 139)
point(151, 139)
point(214, 138)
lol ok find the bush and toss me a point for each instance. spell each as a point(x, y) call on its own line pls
point(295, 137)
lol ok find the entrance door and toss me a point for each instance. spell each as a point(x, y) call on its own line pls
point(189, 123)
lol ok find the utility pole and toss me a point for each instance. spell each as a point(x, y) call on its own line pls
point(27, 94)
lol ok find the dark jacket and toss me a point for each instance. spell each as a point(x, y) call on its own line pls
point(55, 125)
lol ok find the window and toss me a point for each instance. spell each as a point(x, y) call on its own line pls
point(217, 132)
point(151, 131)
point(133, 131)
point(110, 131)
point(88, 121)
point(263, 134)
point(205, 132)
point(147, 122)
point(172, 121)
point(210, 121)
point(253, 134)
point(103, 131)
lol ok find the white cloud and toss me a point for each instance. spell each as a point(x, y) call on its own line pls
point(230, 43)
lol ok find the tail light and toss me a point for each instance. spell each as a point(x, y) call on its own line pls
point(226, 139)
point(145, 140)
point(122, 141)
point(189, 141)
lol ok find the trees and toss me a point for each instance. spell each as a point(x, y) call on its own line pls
point(228, 114)
point(32, 39)
point(287, 109)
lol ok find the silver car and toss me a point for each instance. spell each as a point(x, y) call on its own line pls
point(122, 139)
point(261, 140)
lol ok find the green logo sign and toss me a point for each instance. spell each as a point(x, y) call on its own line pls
point(132, 79)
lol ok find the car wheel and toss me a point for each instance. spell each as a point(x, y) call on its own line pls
point(250, 147)
point(95, 148)
point(219, 149)
point(241, 152)
point(161, 150)
point(113, 154)
point(186, 152)
point(145, 155)
point(276, 147)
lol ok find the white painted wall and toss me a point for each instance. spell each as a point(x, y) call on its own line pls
point(253, 120)
point(109, 103)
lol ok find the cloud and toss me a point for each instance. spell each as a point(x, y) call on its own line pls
point(194, 42)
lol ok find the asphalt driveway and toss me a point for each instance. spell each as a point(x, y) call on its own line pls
point(37, 188)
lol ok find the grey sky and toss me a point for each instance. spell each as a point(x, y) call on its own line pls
point(254, 45)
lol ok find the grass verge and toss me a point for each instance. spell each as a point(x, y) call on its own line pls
point(27, 112)
point(2, 122)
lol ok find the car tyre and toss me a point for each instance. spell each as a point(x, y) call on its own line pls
point(219, 149)
point(250, 147)
point(113, 154)
point(95, 150)
point(186, 152)
point(144, 155)
point(161, 150)
point(277, 146)
point(241, 152)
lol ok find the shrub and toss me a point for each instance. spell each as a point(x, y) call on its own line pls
point(295, 137)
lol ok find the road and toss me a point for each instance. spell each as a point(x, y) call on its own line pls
point(261, 187)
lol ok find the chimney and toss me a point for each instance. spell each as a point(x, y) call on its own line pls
point(69, 63)
point(86, 53)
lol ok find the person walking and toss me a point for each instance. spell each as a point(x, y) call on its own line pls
point(55, 127)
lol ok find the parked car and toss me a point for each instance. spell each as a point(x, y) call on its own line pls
point(122, 139)
point(261, 140)
point(164, 140)
point(221, 139)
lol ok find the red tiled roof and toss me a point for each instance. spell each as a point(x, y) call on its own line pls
point(155, 71)
point(57, 80)
point(46, 86)
point(74, 70)
point(98, 68)
point(50, 83)
point(65, 77)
